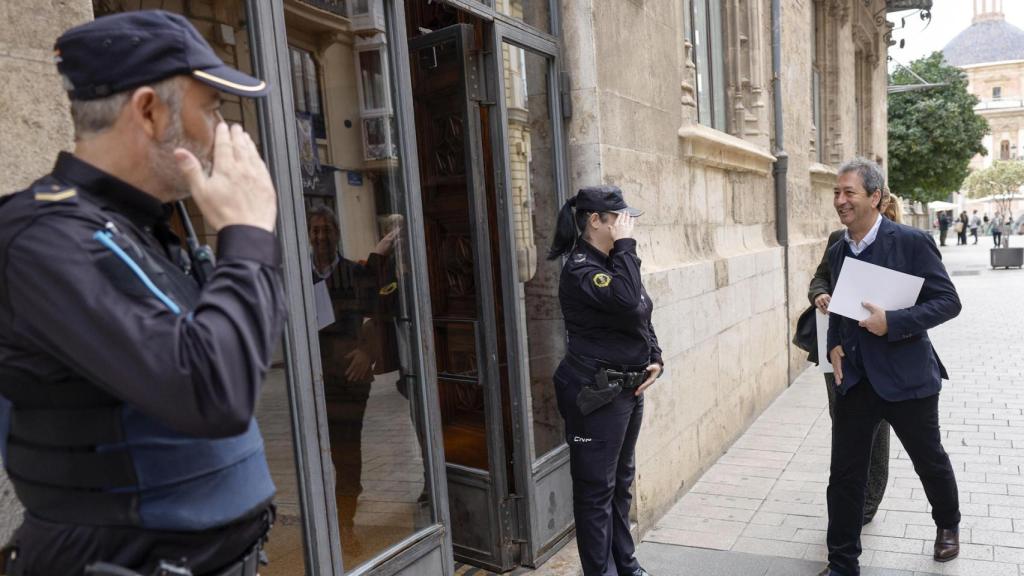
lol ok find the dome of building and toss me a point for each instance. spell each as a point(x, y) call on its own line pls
point(990, 38)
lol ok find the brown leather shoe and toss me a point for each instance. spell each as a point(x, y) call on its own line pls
point(947, 544)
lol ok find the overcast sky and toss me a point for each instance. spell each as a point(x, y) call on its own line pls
point(949, 17)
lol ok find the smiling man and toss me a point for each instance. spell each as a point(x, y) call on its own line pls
point(128, 384)
point(886, 368)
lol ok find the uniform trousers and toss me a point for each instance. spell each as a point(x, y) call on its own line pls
point(916, 423)
point(602, 448)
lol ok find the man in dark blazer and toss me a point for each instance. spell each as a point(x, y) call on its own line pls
point(820, 294)
point(886, 368)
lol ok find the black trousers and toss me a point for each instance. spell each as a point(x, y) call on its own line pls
point(916, 423)
point(878, 469)
point(602, 449)
point(48, 548)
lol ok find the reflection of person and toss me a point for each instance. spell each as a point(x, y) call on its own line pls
point(349, 347)
point(886, 368)
point(132, 387)
point(613, 357)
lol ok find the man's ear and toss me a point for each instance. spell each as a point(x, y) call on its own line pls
point(148, 112)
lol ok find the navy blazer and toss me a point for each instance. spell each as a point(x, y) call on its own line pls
point(902, 364)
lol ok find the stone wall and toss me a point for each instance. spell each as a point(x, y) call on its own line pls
point(712, 261)
point(34, 120)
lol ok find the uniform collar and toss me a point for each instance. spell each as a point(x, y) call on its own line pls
point(591, 250)
point(109, 191)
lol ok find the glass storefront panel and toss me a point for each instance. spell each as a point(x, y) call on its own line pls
point(359, 253)
point(535, 205)
point(536, 13)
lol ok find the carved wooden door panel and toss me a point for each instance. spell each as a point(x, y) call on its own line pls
point(455, 215)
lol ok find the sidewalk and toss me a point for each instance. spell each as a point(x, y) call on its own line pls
point(761, 508)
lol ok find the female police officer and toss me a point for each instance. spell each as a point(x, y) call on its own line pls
point(613, 356)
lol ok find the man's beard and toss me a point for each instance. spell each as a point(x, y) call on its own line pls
point(165, 165)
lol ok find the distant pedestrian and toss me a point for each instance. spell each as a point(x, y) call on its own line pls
point(997, 229)
point(944, 222)
point(961, 229)
point(974, 224)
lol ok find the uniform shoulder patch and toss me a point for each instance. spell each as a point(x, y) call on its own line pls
point(579, 257)
point(602, 280)
point(55, 194)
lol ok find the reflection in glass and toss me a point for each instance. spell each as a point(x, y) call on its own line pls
point(536, 13)
point(361, 287)
point(535, 206)
point(373, 80)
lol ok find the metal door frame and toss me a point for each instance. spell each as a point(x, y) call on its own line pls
point(321, 534)
point(500, 517)
point(527, 469)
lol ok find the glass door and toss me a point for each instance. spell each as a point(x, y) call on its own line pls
point(531, 188)
point(458, 211)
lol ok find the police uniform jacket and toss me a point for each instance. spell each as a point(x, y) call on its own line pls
point(128, 391)
point(607, 310)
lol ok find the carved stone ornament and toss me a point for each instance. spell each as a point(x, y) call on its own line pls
point(839, 9)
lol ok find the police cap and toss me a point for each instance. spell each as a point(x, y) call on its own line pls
point(130, 49)
point(604, 199)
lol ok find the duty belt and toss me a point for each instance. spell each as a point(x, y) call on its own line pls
point(248, 565)
point(629, 376)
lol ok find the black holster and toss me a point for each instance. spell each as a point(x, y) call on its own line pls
point(602, 392)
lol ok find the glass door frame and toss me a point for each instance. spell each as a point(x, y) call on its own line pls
point(321, 533)
point(528, 469)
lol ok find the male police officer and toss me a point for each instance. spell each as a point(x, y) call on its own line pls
point(129, 387)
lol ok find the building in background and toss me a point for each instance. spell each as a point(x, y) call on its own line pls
point(991, 52)
point(410, 418)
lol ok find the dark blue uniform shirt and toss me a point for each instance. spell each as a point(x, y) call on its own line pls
point(81, 332)
point(606, 309)
point(69, 307)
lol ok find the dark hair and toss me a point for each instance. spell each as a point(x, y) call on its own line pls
point(571, 223)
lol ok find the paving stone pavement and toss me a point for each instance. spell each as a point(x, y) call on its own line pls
point(763, 502)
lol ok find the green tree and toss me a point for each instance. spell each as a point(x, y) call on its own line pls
point(933, 133)
point(1001, 180)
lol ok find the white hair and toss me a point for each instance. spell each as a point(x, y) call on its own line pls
point(92, 117)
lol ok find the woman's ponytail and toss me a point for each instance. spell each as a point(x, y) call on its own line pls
point(565, 231)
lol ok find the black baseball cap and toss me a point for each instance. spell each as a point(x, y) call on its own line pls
point(130, 49)
point(604, 199)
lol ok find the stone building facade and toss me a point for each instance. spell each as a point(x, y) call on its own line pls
point(726, 286)
point(677, 107)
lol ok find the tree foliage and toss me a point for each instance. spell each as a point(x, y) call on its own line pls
point(934, 133)
point(1002, 180)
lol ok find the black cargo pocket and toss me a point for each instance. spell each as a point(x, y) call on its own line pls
point(588, 458)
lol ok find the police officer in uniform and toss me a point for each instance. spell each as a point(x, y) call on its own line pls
point(613, 356)
point(128, 383)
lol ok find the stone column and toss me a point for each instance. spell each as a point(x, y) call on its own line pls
point(34, 119)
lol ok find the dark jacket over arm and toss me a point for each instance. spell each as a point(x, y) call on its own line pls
point(822, 281)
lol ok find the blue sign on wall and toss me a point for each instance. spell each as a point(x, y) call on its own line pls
point(355, 178)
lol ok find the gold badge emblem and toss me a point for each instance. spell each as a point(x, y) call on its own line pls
point(389, 289)
point(602, 280)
